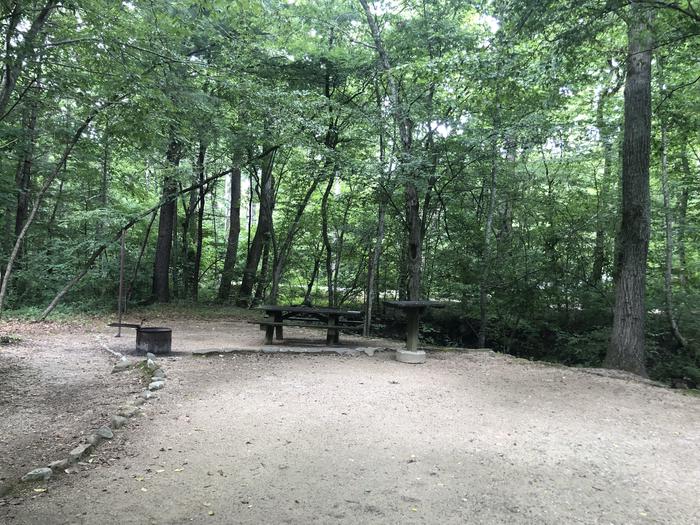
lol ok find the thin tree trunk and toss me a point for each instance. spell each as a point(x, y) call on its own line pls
point(144, 243)
point(194, 291)
point(668, 233)
point(262, 232)
point(314, 274)
point(683, 214)
point(402, 278)
point(602, 186)
point(339, 250)
point(286, 247)
point(233, 234)
point(264, 271)
point(24, 168)
point(104, 181)
point(626, 350)
point(185, 253)
point(166, 227)
point(54, 212)
point(486, 255)
point(326, 239)
point(374, 268)
point(199, 246)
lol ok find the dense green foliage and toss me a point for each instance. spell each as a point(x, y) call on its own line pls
point(515, 112)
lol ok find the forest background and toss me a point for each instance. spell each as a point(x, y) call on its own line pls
point(335, 152)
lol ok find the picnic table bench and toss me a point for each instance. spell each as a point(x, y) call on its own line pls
point(333, 320)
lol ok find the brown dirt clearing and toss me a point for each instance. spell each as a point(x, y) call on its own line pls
point(251, 438)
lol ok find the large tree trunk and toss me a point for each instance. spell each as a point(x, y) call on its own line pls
point(626, 350)
point(262, 232)
point(233, 234)
point(166, 226)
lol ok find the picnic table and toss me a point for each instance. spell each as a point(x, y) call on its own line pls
point(412, 354)
point(333, 320)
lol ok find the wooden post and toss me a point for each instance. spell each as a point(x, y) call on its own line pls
point(120, 299)
point(412, 322)
point(279, 333)
point(332, 334)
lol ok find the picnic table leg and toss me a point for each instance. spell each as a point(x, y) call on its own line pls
point(412, 354)
point(332, 336)
point(269, 332)
point(278, 329)
point(336, 337)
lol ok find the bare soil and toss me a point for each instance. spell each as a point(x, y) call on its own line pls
point(265, 438)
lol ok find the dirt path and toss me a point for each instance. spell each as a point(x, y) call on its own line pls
point(55, 386)
point(465, 438)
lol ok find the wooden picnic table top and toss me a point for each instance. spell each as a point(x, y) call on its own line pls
point(415, 304)
point(309, 310)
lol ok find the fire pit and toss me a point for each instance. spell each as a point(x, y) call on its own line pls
point(153, 339)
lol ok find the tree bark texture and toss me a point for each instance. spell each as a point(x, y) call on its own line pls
point(24, 168)
point(626, 350)
point(166, 226)
point(233, 235)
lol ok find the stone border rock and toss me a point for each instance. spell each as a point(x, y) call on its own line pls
point(156, 377)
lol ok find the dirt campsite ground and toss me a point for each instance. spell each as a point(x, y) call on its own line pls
point(279, 438)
